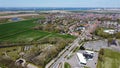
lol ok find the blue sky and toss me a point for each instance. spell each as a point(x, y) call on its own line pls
point(59, 3)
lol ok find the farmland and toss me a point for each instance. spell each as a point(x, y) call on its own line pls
point(22, 31)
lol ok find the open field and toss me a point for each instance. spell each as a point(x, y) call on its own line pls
point(22, 31)
point(27, 36)
point(111, 59)
point(10, 29)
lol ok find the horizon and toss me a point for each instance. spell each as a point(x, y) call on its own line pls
point(64, 7)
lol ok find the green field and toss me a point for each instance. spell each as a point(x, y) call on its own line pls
point(15, 27)
point(27, 36)
point(111, 59)
point(67, 65)
point(22, 31)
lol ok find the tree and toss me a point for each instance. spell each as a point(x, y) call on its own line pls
point(82, 48)
point(101, 52)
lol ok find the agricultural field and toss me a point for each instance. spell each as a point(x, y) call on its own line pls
point(15, 27)
point(110, 59)
point(22, 31)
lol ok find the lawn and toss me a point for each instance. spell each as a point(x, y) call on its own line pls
point(67, 65)
point(111, 59)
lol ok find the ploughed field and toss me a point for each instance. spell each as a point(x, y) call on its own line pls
point(22, 31)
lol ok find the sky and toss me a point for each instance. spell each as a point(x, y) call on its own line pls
point(60, 3)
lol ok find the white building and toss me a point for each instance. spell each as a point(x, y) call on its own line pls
point(89, 52)
point(110, 31)
point(81, 58)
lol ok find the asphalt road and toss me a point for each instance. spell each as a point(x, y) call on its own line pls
point(67, 52)
point(62, 58)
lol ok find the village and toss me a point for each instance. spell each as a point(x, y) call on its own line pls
point(52, 39)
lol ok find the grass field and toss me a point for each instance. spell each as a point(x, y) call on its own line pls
point(27, 36)
point(111, 59)
point(22, 31)
point(67, 65)
point(63, 36)
point(15, 27)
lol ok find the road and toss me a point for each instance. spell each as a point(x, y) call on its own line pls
point(68, 49)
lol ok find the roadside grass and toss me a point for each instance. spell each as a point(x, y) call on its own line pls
point(111, 59)
point(78, 47)
point(67, 65)
point(86, 67)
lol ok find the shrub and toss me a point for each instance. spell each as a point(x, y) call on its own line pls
point(82, 48)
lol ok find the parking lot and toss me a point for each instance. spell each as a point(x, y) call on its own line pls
point(92, 63)
point(75, 63)
point(91, 45)
point(96, 45)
